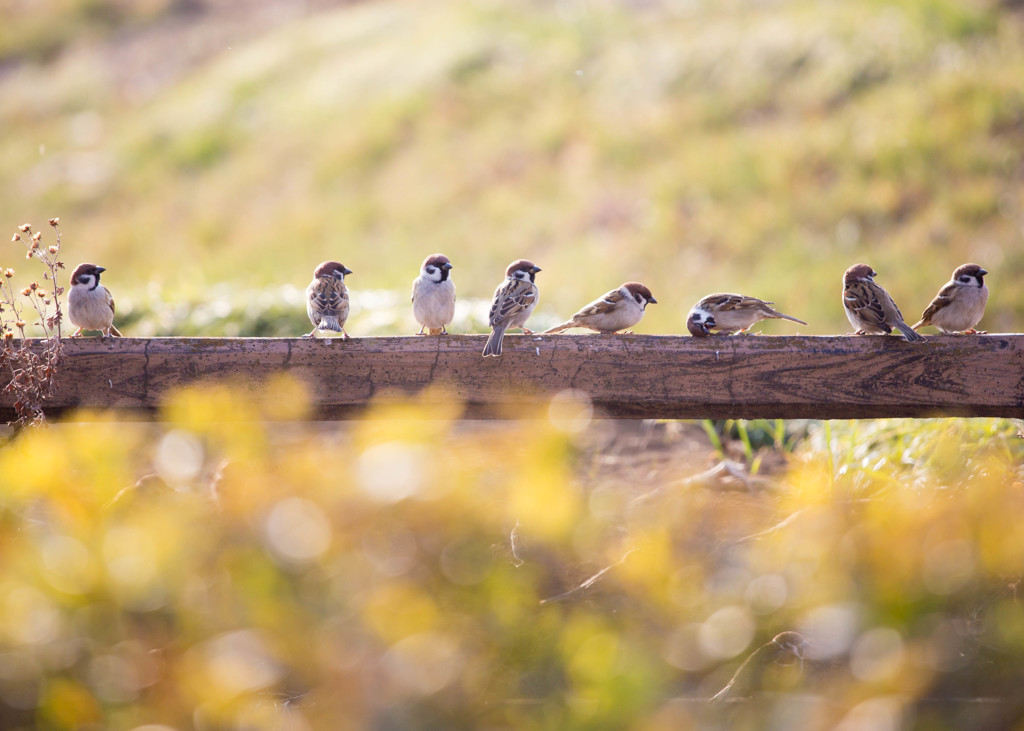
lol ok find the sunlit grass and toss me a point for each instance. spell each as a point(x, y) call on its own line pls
point(732, 147)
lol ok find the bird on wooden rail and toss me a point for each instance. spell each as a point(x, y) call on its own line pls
point(327, 298)
point(90, 304)
point(514, 300)
point(731, 313)
point(960, 304)
point(619, 309)
point(433, 295)
point(869, 308)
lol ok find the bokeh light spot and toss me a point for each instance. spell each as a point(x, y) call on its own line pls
point(392, 471)
point(179, 457)
point(877, 655)
point(298, 530)
point(829, 630)
point(423, 663)
point(727, 632)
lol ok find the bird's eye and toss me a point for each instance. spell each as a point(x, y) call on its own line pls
point(430, 270)
point(965, 278)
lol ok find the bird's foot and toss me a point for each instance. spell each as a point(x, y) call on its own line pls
point(527, 331)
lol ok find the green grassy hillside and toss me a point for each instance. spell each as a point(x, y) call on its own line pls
point(210, 159)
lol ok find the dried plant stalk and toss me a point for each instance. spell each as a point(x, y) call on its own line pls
point(29, 364)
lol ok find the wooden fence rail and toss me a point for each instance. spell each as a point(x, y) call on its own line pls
point(636, 376)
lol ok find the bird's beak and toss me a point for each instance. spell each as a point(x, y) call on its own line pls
point(652, 301)
point(982, 272)
point(346, 271)
point(535, 269)
point(100, 270)
point(874, 273)
point(447, 265)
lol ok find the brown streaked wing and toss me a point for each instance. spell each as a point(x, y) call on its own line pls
point(328, 294)
point(862, 299)
point(728, 302)
point(943, 298)
point(511, 298)
point(603, 306)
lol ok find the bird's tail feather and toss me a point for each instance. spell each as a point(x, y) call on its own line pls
point(493, 346)
point(790, 318)
point(909, 333)
point(330, 323)
point(559, 328)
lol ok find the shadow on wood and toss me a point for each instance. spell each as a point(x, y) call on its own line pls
point(634, 376)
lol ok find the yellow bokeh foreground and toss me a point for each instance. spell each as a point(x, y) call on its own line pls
point(225, 569)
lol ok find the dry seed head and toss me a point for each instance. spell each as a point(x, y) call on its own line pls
point(40, 292)
point(37, 235)
point(35, 244)
point(46, 300)
point(55, 222)
point(53, 249)
point(20, 323)
point(8, 335)
point(16, 237)
point(24, 228)
point(34, 286)
point(27, 291)
point(8, 272)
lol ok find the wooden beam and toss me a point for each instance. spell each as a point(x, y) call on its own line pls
point(637, 376)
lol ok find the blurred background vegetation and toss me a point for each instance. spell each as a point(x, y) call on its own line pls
point(416, 571)
point(212, 153)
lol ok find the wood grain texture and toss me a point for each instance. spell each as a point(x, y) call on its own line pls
point(639, 376)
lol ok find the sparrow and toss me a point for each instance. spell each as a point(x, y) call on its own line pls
point(730, 313)
point(613, 311)
point(327, 299)
point(869, 308)
point(514, 300)
point(960, 304)
point(433, 295)
point(90, 304)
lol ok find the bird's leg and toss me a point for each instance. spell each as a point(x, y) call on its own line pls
point(421, 330)
point(77, 333)
point(344, 334)
point(443, 330)
point(312, 334)
point(626, 332)
point(527, 331)
point(972, 331)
